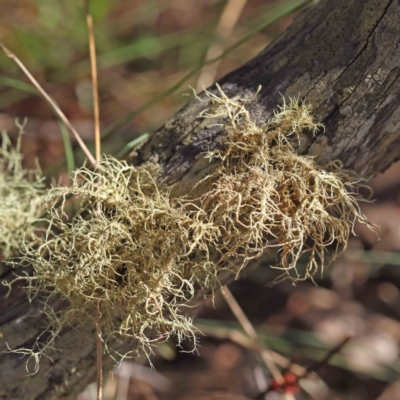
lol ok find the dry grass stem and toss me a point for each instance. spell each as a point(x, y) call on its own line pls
point(249, 329)
point(99, 357)
point(93, 65)
point(51, 102)
point(226, 24)
point(97, 140)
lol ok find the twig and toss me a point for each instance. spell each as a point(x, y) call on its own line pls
point(51, 102)
point(229, 18)
point(293, 379)
point(249, 329)
point(318, 364)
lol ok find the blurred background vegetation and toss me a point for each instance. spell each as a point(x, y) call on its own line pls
point(145, 48)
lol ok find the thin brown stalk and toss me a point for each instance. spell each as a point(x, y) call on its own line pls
point(51, 102)
point(99, 357)
point(249, 329)
point(93, 65)
point(97, 140)
point(226, 24)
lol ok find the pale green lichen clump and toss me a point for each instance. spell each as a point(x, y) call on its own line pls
point(267, 196)
point(136, 255)
point(127, 253)
point(21, 197)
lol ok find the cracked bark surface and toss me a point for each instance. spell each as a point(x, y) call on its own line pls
point(343, 57)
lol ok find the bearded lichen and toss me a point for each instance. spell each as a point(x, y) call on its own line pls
point(265, 195)
point(21, 197)
point(136, 254)
point(122, 253)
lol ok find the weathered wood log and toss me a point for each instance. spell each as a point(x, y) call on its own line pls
point(343, 57)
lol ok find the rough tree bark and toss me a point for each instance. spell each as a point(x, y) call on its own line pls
point(343, 57)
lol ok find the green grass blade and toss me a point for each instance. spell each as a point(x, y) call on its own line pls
point(11, 97)
point(17, 84)
point(69, 153)
point(132, 144)
point(24, 90)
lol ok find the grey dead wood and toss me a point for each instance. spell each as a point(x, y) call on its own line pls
point(343, 57)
